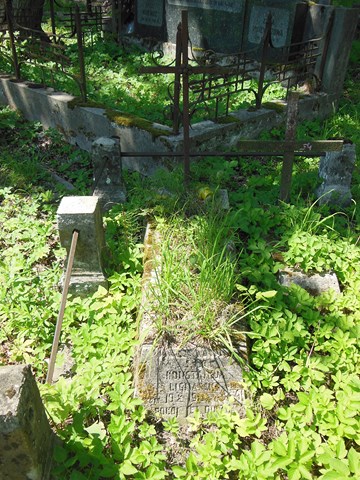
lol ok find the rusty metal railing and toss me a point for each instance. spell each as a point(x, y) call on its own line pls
point(60, 317)
point(44, 52)
point(209, 80)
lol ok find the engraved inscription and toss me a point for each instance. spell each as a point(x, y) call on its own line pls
point(150, 12)
point(280, 25)
point(176, 382)
point(232, 6)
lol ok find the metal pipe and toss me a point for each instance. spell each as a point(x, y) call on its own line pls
point(59, 321)
point(10, 22)
point(185, 94)
point(80, 53)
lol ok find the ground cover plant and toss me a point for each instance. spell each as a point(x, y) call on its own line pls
point(303, 392)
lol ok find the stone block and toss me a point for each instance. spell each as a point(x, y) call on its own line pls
point(315, 284)
point(342, 35)
point(213, 24)
point(288, 24)
point(84, 215)
point(150, 18)
point(336, 169)
point(107, 164)
point(26, 440)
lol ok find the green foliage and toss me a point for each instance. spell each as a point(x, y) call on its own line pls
point(301, 418)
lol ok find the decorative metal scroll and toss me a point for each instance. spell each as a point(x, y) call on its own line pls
point(216, 80)
point(91, 19)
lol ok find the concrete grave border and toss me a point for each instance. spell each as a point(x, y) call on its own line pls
point(81, 123)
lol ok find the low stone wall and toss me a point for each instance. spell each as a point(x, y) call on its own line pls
point(81, 124)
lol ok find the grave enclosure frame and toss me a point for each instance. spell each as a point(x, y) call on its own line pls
point(302, 57)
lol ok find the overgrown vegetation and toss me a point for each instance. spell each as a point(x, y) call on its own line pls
point(303, 392)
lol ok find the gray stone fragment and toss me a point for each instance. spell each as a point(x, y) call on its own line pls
point(108, 184)
point(83, 214)
point(315, 284)
point(336, 170)
point(26, 440)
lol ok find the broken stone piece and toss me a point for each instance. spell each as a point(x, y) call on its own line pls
point(108, 184)
point(84, 215)
point(315, 284)
point(26, 440)
point(336, 170)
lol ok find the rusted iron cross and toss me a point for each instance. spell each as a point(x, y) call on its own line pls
point(182, 71)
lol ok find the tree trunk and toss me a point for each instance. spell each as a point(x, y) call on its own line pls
point(26, 13)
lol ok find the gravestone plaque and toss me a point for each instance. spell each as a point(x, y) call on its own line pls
point(149, 18)
point(288, 23)
point(176, 381)
point(213, 24)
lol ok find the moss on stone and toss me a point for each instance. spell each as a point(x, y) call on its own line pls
point(129, 120)
point(79, 102)
point(122, 119)
point(277, 106)
point(228, 119)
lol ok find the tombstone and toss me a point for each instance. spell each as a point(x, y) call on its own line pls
point(26, 440)
point(315, 284)
point(288, 24)
point(336, 170)
point(106, 157)
point(84, 215)
point(213, 24)
point(172, 379)
point(332, 68)
point(175, 381)
point(150, 19)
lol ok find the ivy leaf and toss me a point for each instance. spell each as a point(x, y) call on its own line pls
point(179, 471)
point(97, 429)
point(267, 401)
point(265, 295)
point(128, 469)
point(354, 461)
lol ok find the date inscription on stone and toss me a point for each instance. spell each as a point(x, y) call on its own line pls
point(280, 25)
point(150, 12)
point(232, 6)
point(176, 382)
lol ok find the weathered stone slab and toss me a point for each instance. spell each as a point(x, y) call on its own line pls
point(288, 24)
point(150, 18)
point(84, 215)
point(342, 36)
point(107, 164)
point(315, 284)
point(26, 440)
point(336, 169)
point(213, 24)
point(175, 381)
